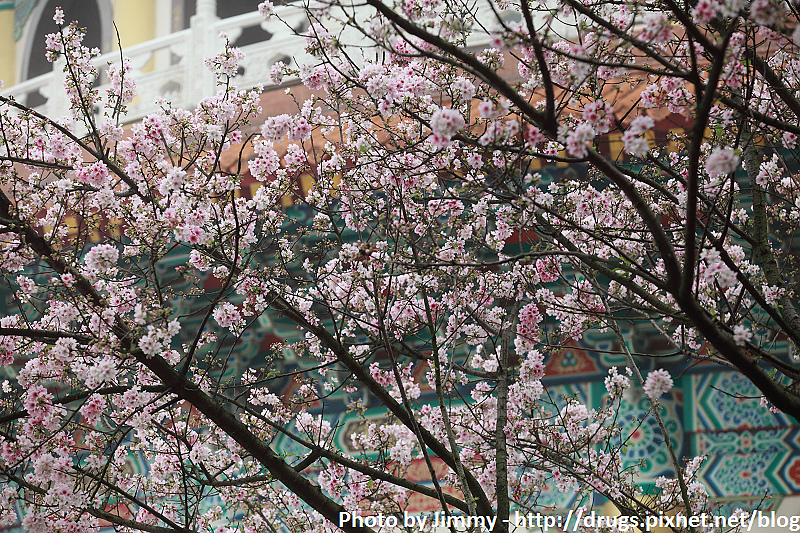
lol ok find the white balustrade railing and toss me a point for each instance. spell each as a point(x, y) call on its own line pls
point(172, 68)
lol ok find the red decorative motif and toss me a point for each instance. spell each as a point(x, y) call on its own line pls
point(793, 472)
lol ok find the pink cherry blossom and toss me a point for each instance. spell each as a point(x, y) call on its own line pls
point(579, 138)
point(721, 161)
point(266, 10)
point(227, 315)
point(658, 383)
point(741, 335)
point(102, 257)
point(445, 123)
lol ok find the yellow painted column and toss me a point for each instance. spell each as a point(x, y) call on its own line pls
point(9, 48)
point(136, 20)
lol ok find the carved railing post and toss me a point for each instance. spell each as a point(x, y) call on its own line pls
point(57, 99)
point(203, 43)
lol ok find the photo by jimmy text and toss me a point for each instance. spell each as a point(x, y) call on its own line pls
point(420, 522)
point(571, 522)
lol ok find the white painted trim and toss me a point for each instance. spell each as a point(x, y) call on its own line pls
point(25, 42)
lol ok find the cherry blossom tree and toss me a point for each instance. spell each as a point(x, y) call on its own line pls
point(436, 262)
